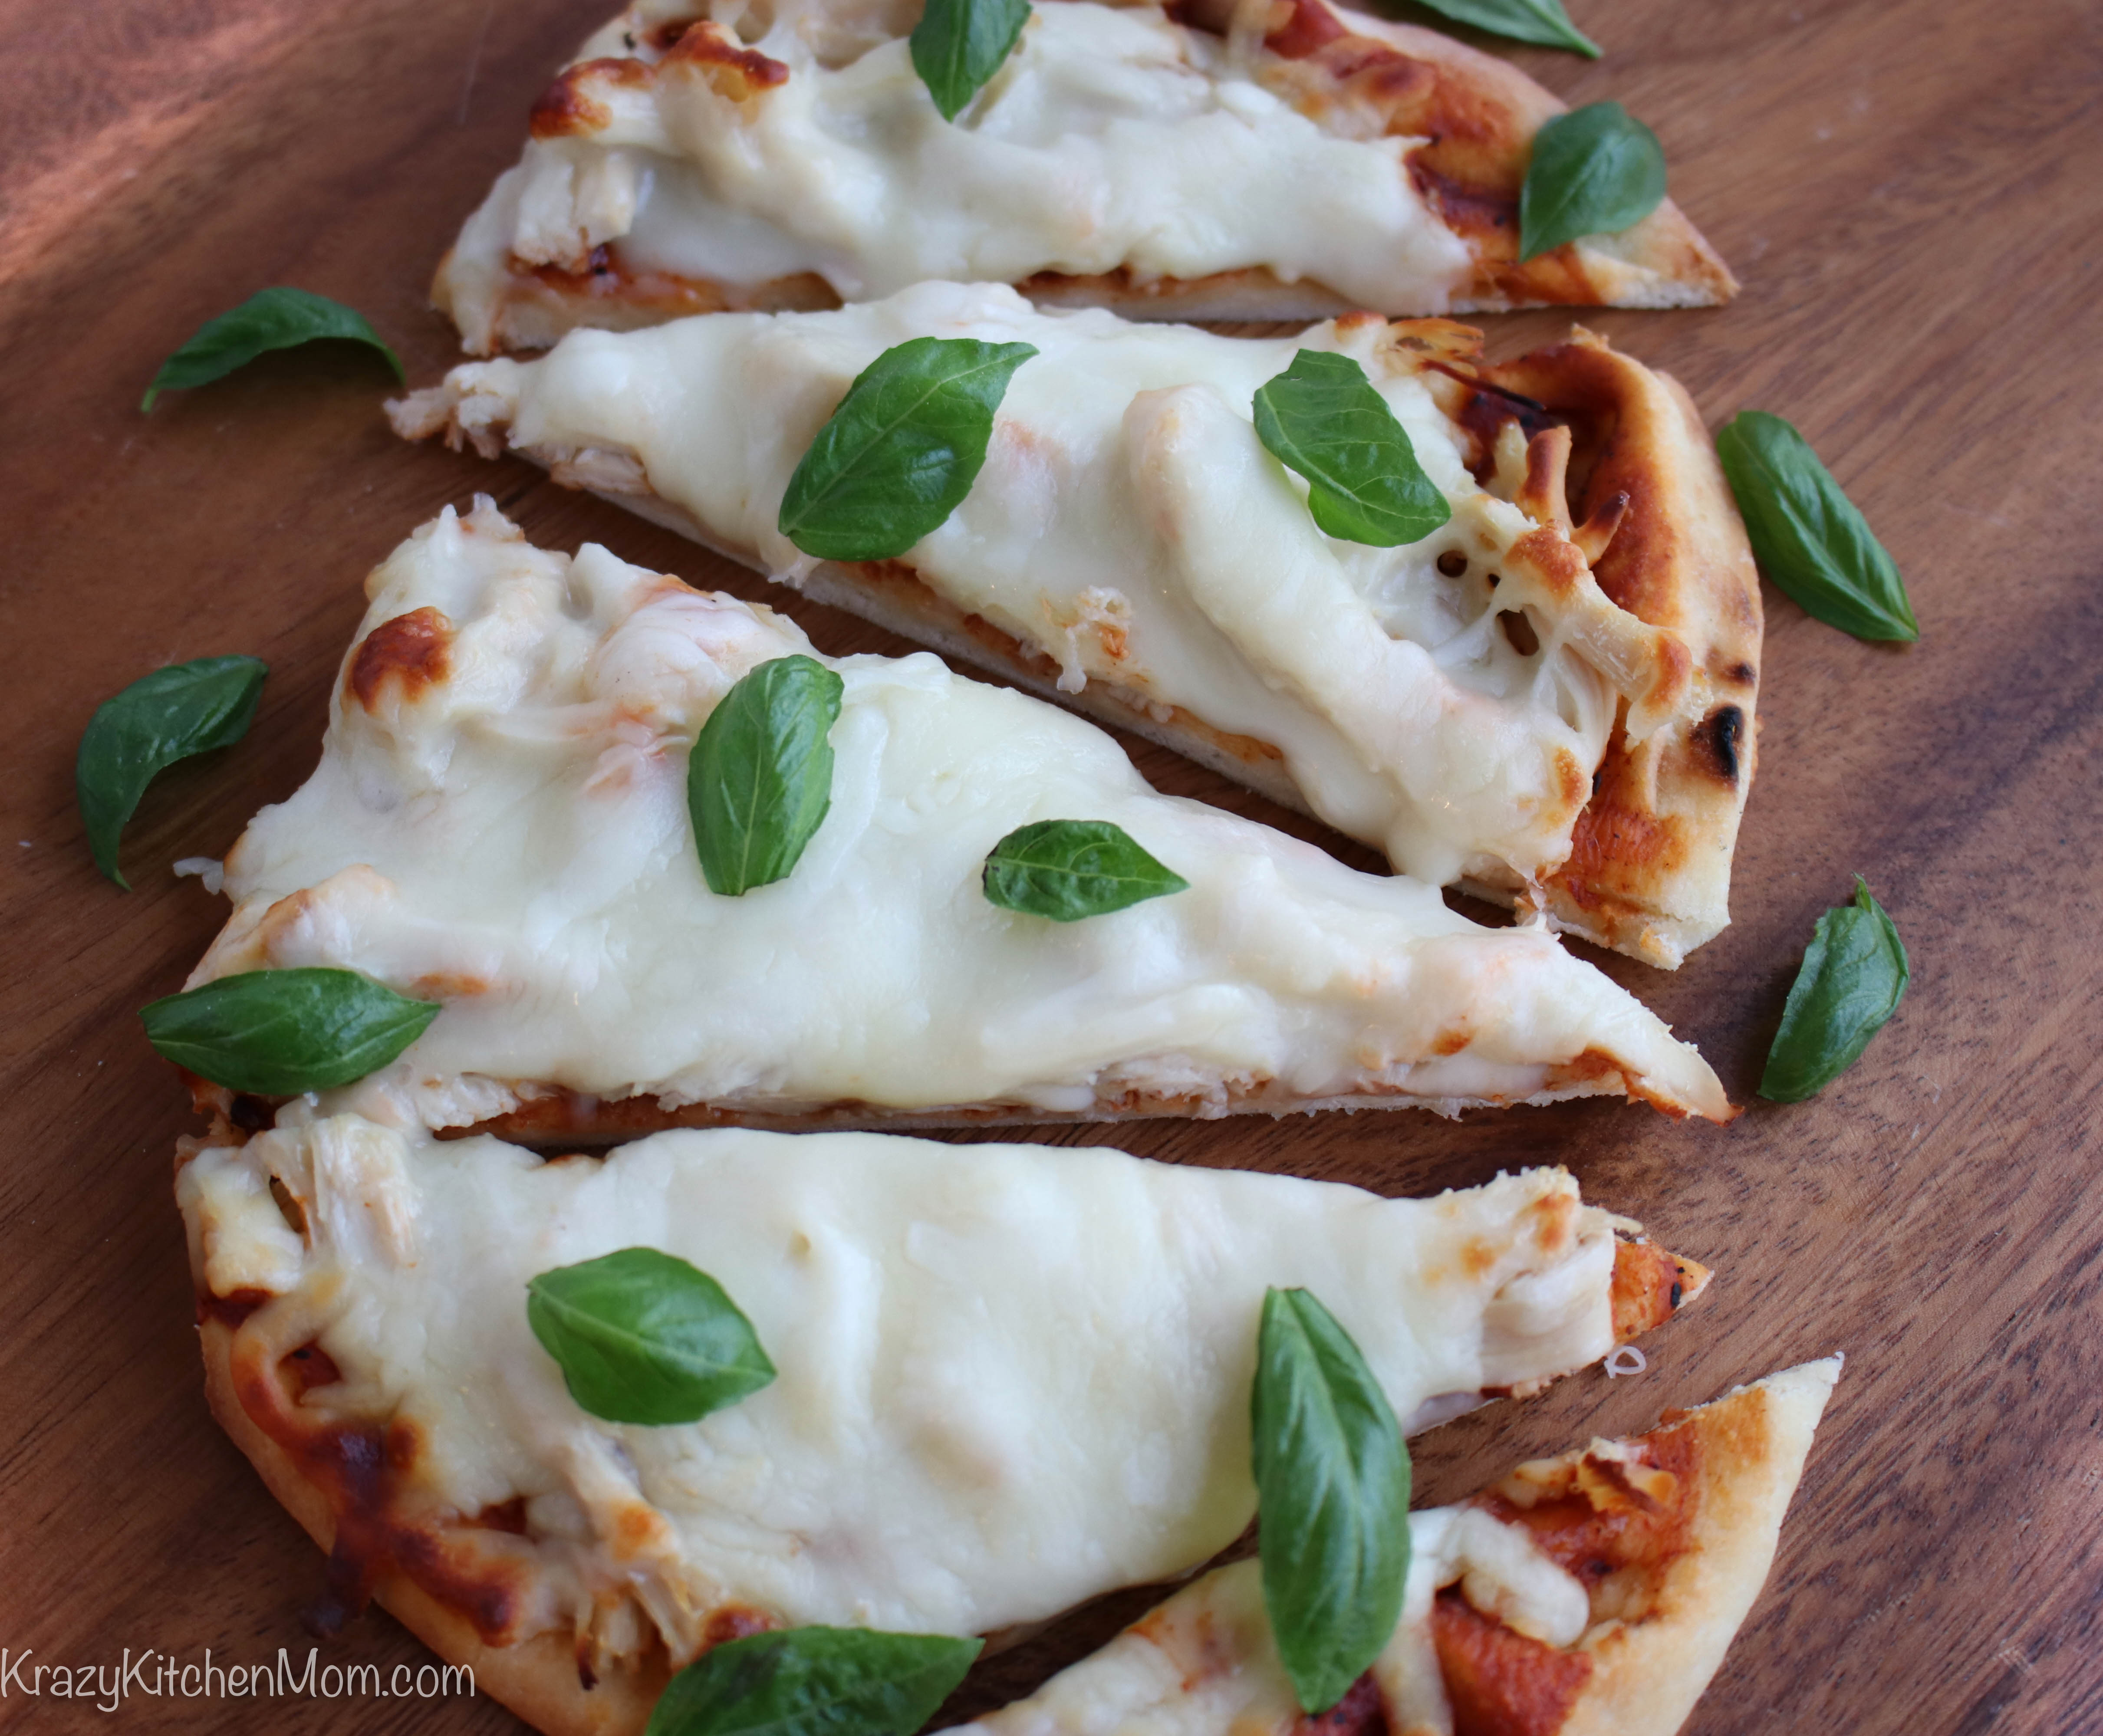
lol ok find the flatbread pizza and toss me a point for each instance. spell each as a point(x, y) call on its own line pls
point(1548, 698)
point(1005, 1378)
point(1591, 1595)
point(1208, 161)
point(502, 825)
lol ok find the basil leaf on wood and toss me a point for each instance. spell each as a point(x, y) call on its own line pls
point(1332, 1498)
point(277, 1033)
point(1067, 869)
point(278, 319)
point(1539, 21)
point(1810, 539)
point(902, 451)
point(959, 44)
point(644, 1337)
point(186, 708)
point(760, 778)
point(1595, 171)
point(1853, 975)
point(1323, 418)
point(814, 1681)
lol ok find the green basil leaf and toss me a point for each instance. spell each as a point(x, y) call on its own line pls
point(902, 451)
point(814, 1681)
point(1067, 869)
point(644, 1337)
point(186, 708)
point(1539, 21)
point(959, 44)
point(1853, 975)
point(1810, 539)
point(1595, 171)
point(278, 319)
point(1332, 1498)
point(760, 778)
point(1323, 418)
point(277, 1033)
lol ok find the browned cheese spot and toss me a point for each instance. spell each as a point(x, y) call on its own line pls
point(411, 652)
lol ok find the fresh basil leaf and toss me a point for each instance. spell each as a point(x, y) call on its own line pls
point(1543, 22)
point(959, 44)
point(277, 1033)
point(902, 451)
point(1332, 1498)
point(1323, 418)
point(644, 1337)
point(760, 778)
point(1809, 537)
point(1595, 171)
point(278, 319)
point(186, 708)
point(1067, 869)
point(1853, 975)
point(814, 1681)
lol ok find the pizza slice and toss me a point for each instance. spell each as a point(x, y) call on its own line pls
point(1591, 1595)
point(503, 822)
point(1546, 697)
point(1005, 1378)
point(1207, 160)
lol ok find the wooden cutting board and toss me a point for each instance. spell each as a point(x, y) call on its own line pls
point(1913, 192)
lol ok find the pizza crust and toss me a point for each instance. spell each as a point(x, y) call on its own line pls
point(1646, 1677)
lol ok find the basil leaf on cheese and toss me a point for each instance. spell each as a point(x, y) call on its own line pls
point(1332, 1498)
point(186, 708)
point(279, 318)
point(276, 1033)
point(1543, 22)
point(902, 451)
point(959, 44)
point(644, 1337)
point(1067, 869)
point(760, 779)
point(1595, 171)
point(814, 1681)
point(1323, 418)
point(1809, 538)
point(1854, 975)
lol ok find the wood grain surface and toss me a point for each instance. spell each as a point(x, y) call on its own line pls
point(1913, 192)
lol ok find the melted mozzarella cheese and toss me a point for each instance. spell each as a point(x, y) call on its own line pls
point(1011, 1377)
point(1112, 138)
point(503, 826)
point(1128, 524)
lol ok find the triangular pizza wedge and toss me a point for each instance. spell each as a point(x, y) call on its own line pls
point(1207, 160)
point(1591, 1595)
point(1007, 1378)
point(1548, 698)
point(501, 823)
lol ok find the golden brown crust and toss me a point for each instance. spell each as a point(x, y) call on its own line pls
point(537, 1678)
point(1672, 1534)
point(1476, 114)
point(1649, 868)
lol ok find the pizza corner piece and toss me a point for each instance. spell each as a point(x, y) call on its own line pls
point(613, 855)
point(976, 1385)
point(1594, 1594)
point(1522, 656)
point(1202, 161)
